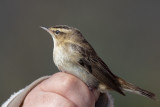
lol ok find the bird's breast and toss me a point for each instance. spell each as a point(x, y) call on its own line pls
point(67, 61)
point(62, 56)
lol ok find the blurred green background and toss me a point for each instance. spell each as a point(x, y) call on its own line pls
point(125, 34)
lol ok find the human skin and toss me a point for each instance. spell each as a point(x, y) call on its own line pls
point(61, 90)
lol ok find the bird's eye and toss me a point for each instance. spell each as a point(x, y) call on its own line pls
point(57, 31)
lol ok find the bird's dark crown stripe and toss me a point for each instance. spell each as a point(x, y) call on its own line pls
point(62, 27)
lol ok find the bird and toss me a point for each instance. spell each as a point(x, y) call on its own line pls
point(73, 54)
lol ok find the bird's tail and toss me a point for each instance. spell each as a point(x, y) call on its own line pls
point(134, 89)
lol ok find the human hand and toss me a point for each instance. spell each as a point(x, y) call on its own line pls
point(61, 90)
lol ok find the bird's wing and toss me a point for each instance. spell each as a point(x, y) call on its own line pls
point(97, 67)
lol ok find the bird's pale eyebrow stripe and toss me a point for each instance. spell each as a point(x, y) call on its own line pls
point(60, 29)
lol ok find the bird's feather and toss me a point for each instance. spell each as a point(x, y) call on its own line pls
point(93, 64)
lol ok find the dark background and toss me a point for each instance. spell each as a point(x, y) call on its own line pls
point(125, 34)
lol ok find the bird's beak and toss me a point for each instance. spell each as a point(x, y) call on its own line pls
point(47, 29)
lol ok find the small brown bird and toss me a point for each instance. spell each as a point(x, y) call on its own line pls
point(74, 55)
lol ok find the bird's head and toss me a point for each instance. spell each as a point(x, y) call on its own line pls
point(63, 33)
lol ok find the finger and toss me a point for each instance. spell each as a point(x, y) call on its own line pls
point(38, 98)
point(71, 88)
